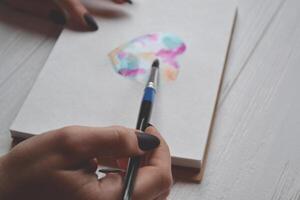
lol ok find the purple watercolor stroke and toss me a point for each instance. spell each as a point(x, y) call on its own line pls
point(169, 56)
point(131, 72)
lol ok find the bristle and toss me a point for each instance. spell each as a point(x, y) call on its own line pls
point(155, 63)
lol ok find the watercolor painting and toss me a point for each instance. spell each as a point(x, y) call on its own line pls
point(134, 58)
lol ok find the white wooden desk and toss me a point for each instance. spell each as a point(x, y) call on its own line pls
point(255, 145)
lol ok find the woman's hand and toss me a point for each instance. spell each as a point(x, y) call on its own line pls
point(71, 12)
point(60, 165)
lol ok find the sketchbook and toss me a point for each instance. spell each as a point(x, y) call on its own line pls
point(84, 83)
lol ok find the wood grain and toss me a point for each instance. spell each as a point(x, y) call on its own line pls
point(25, 43)
point(254, 151)
point(257, 123)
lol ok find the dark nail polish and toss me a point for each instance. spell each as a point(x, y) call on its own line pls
point(90, 21)
point(57, 17)
point(129, 1)
point(146, 141)
point(148, 125)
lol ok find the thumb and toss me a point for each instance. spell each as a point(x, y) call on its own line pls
point(83, 143)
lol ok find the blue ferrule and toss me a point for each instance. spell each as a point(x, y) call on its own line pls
point(149, 94)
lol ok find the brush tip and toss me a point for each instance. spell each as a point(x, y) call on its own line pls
point(155, 63)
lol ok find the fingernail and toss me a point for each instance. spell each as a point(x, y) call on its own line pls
point(146, 141)
point(148, 125)
point(57, 17)
point(90, 21)
point(129, 1)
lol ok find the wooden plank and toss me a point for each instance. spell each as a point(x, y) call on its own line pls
point(254, 152)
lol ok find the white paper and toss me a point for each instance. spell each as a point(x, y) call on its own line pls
point(78, 85)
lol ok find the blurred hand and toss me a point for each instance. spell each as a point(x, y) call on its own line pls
point(71, 12)
point(60, 165)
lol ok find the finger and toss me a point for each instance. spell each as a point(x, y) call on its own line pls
point(123, 1)
point(108, 162)
point(160, 157)
point(88, 166)
point(80, 143)
point(45, 9)
point(120, 164)
point(151, 182)
point(123, 163)
point(92, 165)
point(163, 196)
point(79, 18)
point(83, 185)
point(155, 178)
point(110, 187)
